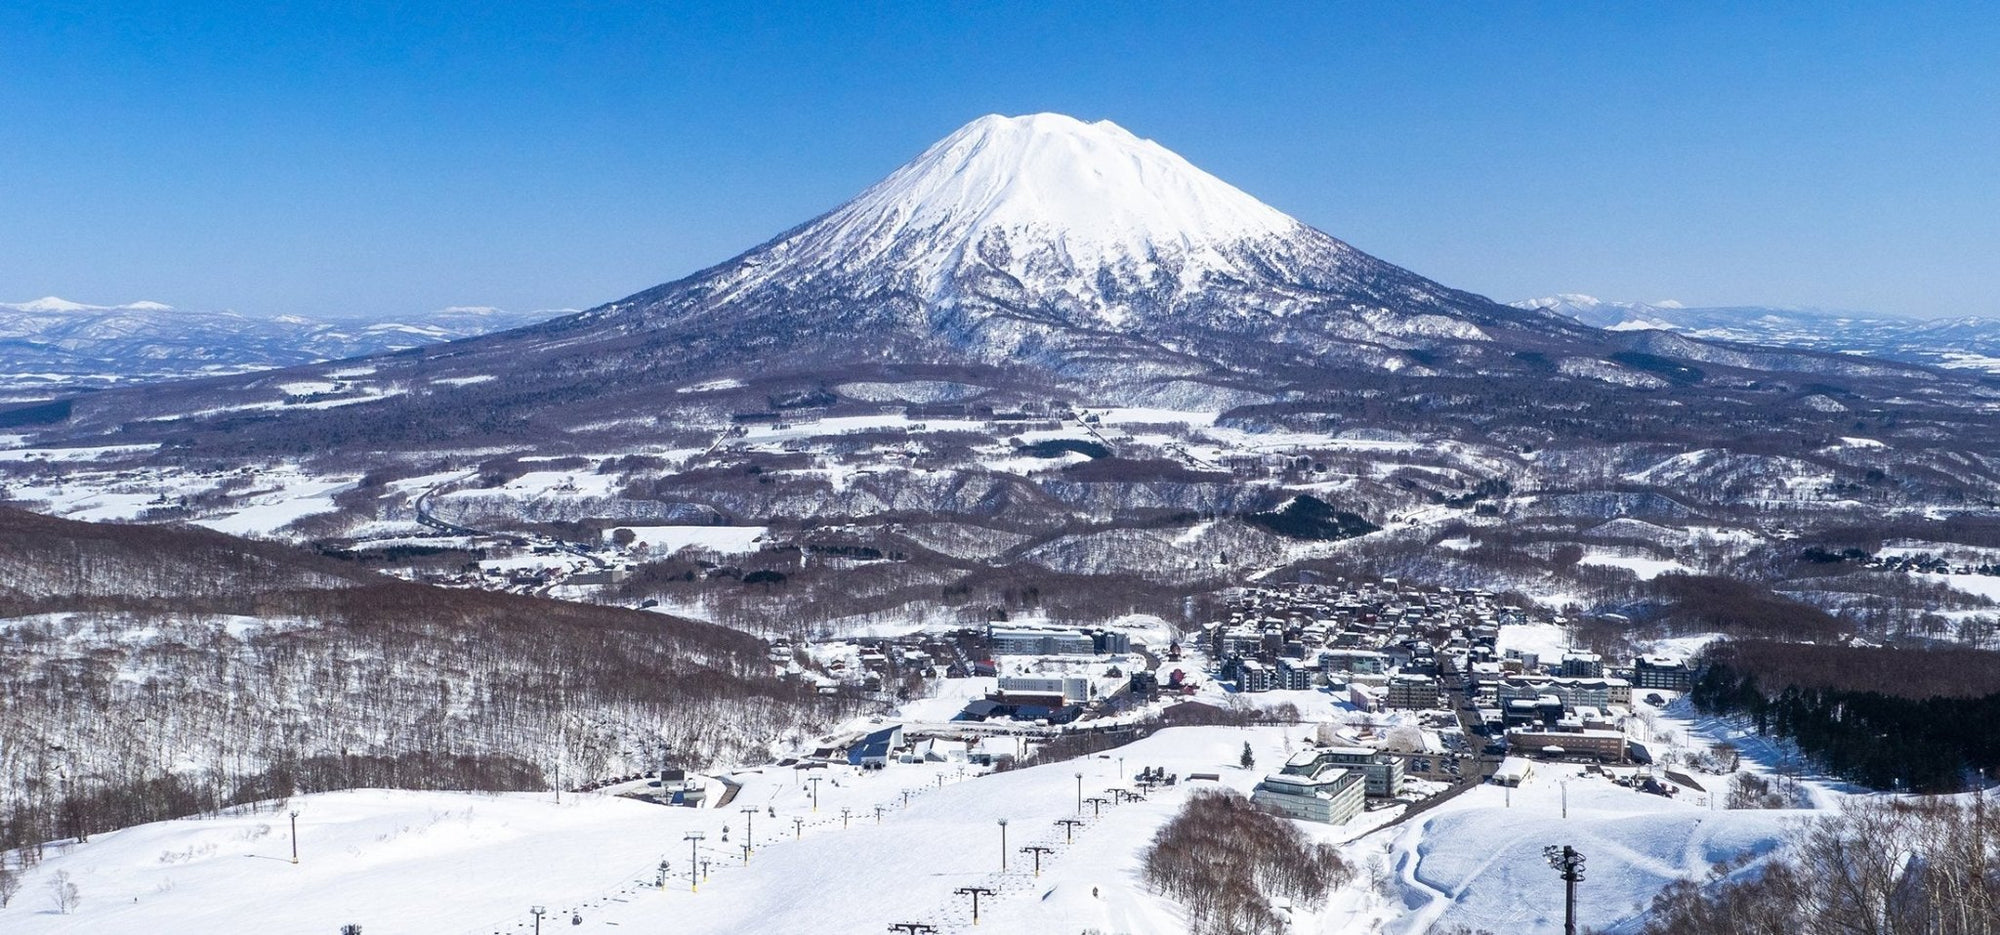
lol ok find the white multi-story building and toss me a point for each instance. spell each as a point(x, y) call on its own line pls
point(1330, 796)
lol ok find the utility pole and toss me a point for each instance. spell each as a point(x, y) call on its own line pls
point(1003, 852)
point(878, 814)
point(537, 911)
point(1097, 803)
point(975, 892)
point(1038, 850)
point(694, 856)
point(845, 813)
point(1565, 797)
point(295, 835)
point(1079, 793)
point(1069, 828)
point(913, 928)
point(798, 828)
point(815, 781)
point(1569, 864)
point(749, 813)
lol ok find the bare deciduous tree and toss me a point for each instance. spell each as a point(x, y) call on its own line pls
point(63, 893)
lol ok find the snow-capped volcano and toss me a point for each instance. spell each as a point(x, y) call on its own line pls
point(1069, 246)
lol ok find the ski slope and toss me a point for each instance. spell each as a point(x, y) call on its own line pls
point(444, 863)
point(450, 863)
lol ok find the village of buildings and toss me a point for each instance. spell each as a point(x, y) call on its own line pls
point(1404, 695)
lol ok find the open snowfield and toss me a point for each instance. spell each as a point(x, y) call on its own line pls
point(1647, 568)
point(670, 539)
point(1987, 586)
point(410, 862)
point(1477, 860)
point(1547, 641)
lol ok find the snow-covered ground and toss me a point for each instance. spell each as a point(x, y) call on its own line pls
point(406, 862)
point(1546, 641)
point(667, 540)
point(1646, 567)
point(1477, 860)
point(911, 836)
point(1676, 647)
point(1987, 586)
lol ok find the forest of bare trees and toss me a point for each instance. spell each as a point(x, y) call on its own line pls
point(1880, 867)
point(1225, 860)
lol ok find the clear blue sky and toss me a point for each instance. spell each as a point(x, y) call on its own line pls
point(336, 160)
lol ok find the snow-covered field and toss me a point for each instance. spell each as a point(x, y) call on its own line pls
point(1478, 860)
point(1645, 567)
point(1987, 586)
point(667, 540)
point(911, 835)
point(405, 862)
point(1546, 641)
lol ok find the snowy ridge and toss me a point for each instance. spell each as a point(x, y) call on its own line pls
point(52, 343)
point(50, 303)
point(1961, 343)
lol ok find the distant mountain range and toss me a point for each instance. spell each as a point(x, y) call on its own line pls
point(55, 344)
point(1969, 343)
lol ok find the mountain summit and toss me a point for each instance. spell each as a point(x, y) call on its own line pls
point(1043, 191)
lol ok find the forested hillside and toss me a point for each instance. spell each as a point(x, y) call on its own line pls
point(1906, 719)
point(146, 668)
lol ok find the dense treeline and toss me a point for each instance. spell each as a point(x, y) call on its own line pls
point(1225, 861)
point(1916, 720)
point(1928, 867)
point(1711, 604)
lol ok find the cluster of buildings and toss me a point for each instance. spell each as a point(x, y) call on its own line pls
point(896, 743)
point(1389, 647)
point(1065, 669)
point(1381, 643)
